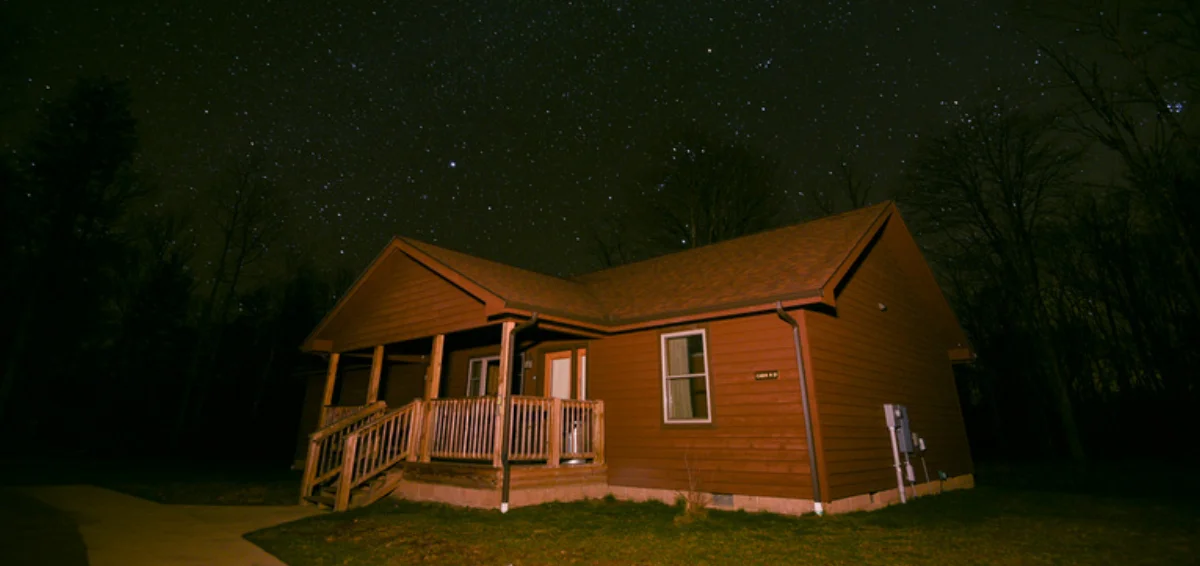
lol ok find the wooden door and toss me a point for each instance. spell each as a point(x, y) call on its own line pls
point(558, 374)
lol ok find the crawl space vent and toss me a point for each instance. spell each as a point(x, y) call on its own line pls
point(722, 500)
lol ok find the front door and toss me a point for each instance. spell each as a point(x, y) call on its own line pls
point(558, 374)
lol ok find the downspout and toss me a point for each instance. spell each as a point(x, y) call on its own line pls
point(507, 425)
point(808, 428)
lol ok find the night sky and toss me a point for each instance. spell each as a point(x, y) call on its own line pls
point(503, 128)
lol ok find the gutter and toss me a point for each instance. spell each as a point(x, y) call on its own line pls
point(808, 428)
point(507, 423)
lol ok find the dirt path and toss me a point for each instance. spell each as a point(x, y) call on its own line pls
point(119, 529)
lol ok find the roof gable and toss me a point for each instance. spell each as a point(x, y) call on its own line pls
point(397, 276)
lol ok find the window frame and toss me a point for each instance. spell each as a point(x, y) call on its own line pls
point(666, 379)
point(483, 375)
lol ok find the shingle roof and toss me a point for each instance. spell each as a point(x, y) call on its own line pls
point(785, 263)
point(516, 285)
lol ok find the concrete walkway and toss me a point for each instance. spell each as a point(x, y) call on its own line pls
point(123, 530)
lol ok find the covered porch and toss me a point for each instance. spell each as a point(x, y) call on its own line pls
point(503, 410)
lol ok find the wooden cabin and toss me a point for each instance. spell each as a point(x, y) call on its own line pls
point(753, 371)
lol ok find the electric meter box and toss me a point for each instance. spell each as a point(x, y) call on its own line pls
point(897, 419)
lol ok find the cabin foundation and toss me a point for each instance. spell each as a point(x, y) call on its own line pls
point(478, 486)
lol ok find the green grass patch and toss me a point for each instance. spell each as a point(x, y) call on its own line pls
point(987, 525)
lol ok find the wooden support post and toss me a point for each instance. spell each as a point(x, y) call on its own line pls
point(346, 477)
point(310, 471)
point(556, 433)
point(326, 401)
point(416, 425)
point(330, 379)
point(376, 373)
point(433, 383)
point(506, 357)
point(433, 378)
point(598, 432)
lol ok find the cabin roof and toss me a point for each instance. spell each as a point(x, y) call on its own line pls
point(514, 285)
point(785, 264)
point(789, 266)
point(793, 263)
point(793, 266)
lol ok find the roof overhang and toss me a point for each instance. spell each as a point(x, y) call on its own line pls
point(492, 302)
point(668, 318)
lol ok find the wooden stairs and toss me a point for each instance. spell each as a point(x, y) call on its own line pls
point(373, 490)
point(357, 460)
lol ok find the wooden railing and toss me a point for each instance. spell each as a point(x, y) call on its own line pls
point(582, 430)
point(325, 447)
point(331, 414)
point(462, 429)
point(530, 430)
point(363, 444)
point(378, 446)
point(552, 430)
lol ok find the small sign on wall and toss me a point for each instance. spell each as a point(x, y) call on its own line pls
point(765, 375)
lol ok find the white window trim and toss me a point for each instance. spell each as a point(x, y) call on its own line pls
point(483, 376)
point(662, 346)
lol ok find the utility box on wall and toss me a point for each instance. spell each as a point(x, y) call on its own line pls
point(897, 419)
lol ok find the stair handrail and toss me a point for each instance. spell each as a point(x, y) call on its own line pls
point(348, 420)
point(378, 446)
point(325, 446)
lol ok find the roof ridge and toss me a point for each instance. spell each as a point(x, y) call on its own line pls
point(881, 205)
point(411, 240)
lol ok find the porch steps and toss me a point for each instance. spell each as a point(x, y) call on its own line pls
point(373, 490)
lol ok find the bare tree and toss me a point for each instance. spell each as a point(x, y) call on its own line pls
point(1134, 102)
point(609, 241)
point(989, 193)
point(245, 219)
point(708, 190)
point(844, 189)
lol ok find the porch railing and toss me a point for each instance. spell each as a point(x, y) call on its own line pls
point(333, 413)
point(462, 429)
point(582, 429)
point(362, 444)
point(379, 445)
point(530, 430)
point(327, 445)
point(541, 429)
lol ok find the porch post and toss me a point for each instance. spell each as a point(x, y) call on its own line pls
point(433, 383)
point(376, 373)
point(506, 355)
point(433, 380)
point(556, 423)
point(330, 381)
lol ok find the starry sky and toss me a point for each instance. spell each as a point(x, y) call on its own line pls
point(503, 128)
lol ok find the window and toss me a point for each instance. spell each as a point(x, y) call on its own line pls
point(685, 377)
point(483, 375)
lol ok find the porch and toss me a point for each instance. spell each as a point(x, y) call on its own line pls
point(476, 451)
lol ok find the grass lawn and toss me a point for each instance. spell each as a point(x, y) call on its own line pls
point(992, 524)
point(184, 483)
